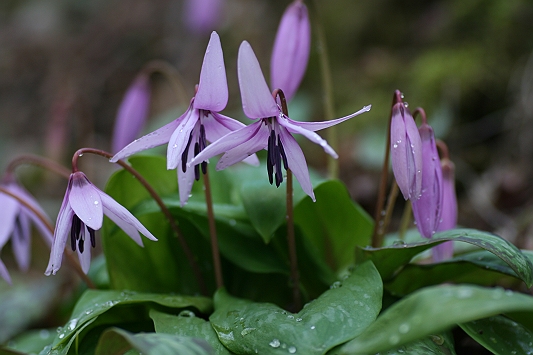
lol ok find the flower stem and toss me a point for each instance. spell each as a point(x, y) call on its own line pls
point(188, 253)
point(291, 240)
point(39, 161)
point(45, 221)
point(172, 76)
point(213, 232)
point(327, 86)
point(377, 236)
point(406, 220)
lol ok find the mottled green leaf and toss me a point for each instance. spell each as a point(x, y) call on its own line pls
point(338, 315)
point(500, 335)
point(187, 324)
point(432, 310)
point(441, 344)
point(117, 341)
point(389, 260)
point(334, 223)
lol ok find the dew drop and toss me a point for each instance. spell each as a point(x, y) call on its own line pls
point(95, 203)
point(298, 319)
point(404, 328)
point(247, 331)
point(274, 343)
point(80, 155)
point(61, 336)
point(406, 104)
point(44, 333)
point(290, 316)
point(72, 324)
point(313, 327)
point(291, 349)
point(395, 145)
point(186, 314)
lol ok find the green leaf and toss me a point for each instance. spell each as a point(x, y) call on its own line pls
point(334, 223)
point(338, 315)
point(187, 324)
point(389, 259)
point(500, 335)
point(265, 206)
point(32, 341)
point(479, 267)
point(432, 310)
point(117, 341)
point(93, 304)
point(441, 344)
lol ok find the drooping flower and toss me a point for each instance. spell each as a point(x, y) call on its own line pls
point(188, 135)
point(449, 209)
point(81, 214)
point(16, 220)
point(406, 152)
point(272, 131)
point(291, 49)
point(132, 112)
point(427, 210)
point(4, 274)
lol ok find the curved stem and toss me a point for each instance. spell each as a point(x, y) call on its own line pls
point(213, 232)
point(420, 111)
point(39, 161)
point(45, 221)
point(190, 257)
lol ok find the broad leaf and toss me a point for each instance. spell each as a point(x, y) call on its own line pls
point(117, 341)
point(433, 310)
point(500, 335)
point(338, 315)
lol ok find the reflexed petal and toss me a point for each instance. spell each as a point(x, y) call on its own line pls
point(3, 273)
point(154, 139)
point(180, 138)
point(224, 144)
point(85, 257)
point(212, 92)
point(296, 161)
point(317, 126)
point(291, 49)
point(123, 218)
point(427, 209)
point(61, 233)
point(10, 210)
point(245, 150)
point(257, 101)
point(21, 242)
point(132, 112)
point(312, 136)
point(406, 152)
point(186, 179)
point(85, 200)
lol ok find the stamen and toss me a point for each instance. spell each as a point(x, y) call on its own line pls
point(202, 140)
point(279, 174)
point(185, 154)
point(81, 245)
point(196, 167)
point(93, 239)
point(74, 231)
point(283, 156)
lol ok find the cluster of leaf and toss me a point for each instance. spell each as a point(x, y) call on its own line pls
point(360, 300)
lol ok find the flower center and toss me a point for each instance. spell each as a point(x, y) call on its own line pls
point(199, 145)
point(275, 155)
point(78, 233)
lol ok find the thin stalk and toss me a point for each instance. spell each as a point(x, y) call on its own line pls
point(44, 220)
point(327, 86)
point(406, 219)
point(393, 194)
point(213, 232)
point(39, 161)
point(291, 240)
point(188, 253)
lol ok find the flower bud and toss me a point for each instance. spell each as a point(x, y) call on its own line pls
point(449, 210)
point(291, 49)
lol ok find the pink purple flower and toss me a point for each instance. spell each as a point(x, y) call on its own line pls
point(272, 131)
point(449, 209)
point(81, 214)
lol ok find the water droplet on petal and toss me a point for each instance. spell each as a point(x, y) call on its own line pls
point(95, 203)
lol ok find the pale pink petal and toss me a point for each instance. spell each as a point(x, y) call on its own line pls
point(212, 92)
point(3, 273)
point(85, 200)
point(10, 210)
point(414, 151)
point(312, 136)
point(132, 112)
point(21, 242)
point(61, 234)
point(291, 49)
point(85, 257)
point(317, 126)
point(123, 218)
point(224, 144)
point(245, 150)
point(296, 161)
point(186, 179)
point(154, 139)
point(180, 138)
point(257, 101)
